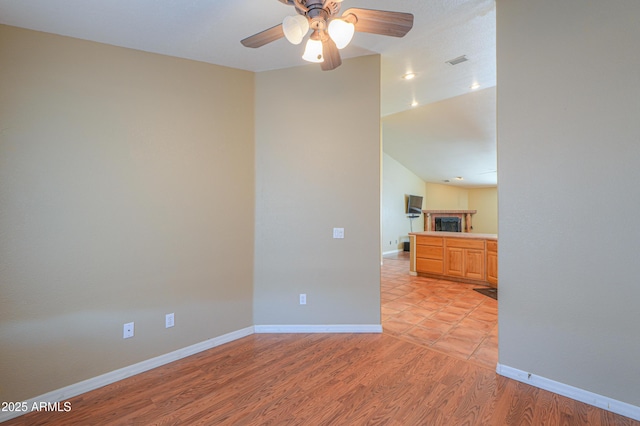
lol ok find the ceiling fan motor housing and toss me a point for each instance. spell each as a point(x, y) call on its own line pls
point(317, 9)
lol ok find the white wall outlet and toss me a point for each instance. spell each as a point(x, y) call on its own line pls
point(127, 330)
point(169, 320)
point(303, 299)
point(338, 232)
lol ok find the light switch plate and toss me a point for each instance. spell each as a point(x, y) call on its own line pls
point(338, 232)
point(127, 330)
point(169, 320)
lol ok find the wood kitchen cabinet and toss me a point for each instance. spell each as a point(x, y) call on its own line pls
point(457, 256)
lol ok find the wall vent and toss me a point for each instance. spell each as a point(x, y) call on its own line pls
point(458, 60)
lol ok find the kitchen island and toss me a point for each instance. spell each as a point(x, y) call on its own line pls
point(457, 256)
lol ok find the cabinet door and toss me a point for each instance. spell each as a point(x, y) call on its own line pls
point(474, 264)
point(492, 268)
point(454, 261)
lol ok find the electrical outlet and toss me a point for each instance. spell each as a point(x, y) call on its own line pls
point(169, 320)
point(127, 330)
point(338, 232)
point(303, 299)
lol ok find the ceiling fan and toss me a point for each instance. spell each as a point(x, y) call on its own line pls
point(330, 32)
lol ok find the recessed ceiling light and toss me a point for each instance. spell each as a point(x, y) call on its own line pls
point(459, 178)
point(475, 86)
point(409, 76)
point(414, 103)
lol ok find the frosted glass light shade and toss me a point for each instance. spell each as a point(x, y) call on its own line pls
point(313, 51)
point(341, 32)
point(295, 28)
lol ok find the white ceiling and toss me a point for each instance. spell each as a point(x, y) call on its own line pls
point(211, 30)
point(456, 136)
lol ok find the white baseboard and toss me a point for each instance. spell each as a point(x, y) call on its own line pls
point(339, 328)
point(70, 391)
point(384, 253)
point(572, 392)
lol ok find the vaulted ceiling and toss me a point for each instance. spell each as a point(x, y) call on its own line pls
point(451, 131)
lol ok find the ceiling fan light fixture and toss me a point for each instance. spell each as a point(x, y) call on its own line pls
point(324, 43)
point(341, 32)
point(295, 28)
point(313, 51)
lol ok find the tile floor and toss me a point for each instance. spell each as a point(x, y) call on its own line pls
point(446, 316)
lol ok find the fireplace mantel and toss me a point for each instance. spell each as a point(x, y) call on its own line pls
point(431, 215)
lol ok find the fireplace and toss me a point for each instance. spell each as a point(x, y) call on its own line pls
point(448, 224)
point(463, 218)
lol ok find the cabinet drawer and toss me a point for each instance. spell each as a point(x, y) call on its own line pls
point(492, 245)
point(429, 252)
point(464, 243)
point(430, 265)
point(429, 241)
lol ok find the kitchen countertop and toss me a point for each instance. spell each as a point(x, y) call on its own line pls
point(457, 235)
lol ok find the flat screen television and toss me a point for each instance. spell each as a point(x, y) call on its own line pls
point(414, 205)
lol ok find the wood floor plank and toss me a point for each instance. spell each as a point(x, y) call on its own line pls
point(475, 399)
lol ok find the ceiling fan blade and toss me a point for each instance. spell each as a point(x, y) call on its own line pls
point(330, 54)
point(264, 37)
point(383, 22)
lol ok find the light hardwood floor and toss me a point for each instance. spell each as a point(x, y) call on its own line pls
point(327, 379)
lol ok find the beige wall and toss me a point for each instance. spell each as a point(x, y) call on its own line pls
point(485, 201)
point(126, 192)
point(318, 167)
point(568, 153)
point(397, 183)
point(446, 197)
